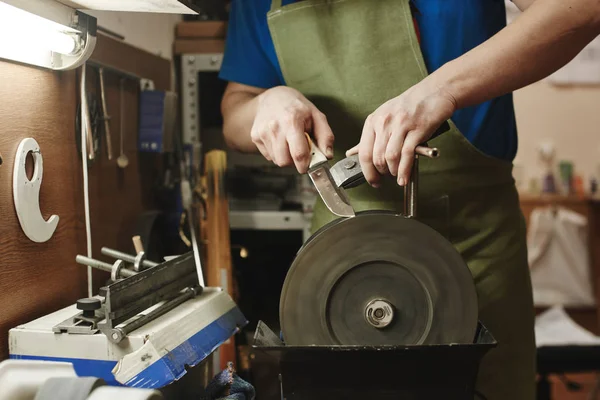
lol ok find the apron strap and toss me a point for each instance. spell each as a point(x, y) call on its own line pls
point(275, 4)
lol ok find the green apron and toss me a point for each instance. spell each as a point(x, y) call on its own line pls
point(350, 56)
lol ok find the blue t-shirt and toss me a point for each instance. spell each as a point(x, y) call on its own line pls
point(448, 28)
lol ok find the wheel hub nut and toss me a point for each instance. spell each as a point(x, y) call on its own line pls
point(379, 313)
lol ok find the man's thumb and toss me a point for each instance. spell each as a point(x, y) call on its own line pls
point(323, 134)
point(352, 151)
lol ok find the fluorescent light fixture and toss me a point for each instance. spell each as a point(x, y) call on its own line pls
point(45, 33)
point(151, 6)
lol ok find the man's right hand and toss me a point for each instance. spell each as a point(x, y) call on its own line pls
point(283, 116)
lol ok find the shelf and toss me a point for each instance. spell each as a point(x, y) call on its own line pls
point(555, 198)
point(269, 220)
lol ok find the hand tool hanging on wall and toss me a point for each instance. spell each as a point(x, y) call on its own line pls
point(157, 121)
point(122, 161)
point(219, 267)
point(86, 120)
point(93, 117)
point(105, 115)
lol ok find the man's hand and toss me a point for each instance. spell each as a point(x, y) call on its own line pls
point(391, 133)
point(283, 115)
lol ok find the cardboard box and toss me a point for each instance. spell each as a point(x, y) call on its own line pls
point(196, 46)
point(201, 30)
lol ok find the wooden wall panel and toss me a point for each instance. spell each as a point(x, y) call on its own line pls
point(36, 279)
point(139, 62)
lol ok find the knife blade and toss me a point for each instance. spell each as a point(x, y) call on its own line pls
point(333, 196)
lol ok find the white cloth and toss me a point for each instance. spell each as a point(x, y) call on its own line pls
point(559, 258)
point(555, 328)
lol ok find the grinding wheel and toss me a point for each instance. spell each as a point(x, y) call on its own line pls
point(378, 279)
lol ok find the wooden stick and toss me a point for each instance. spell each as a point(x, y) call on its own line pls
point(219, 267)
point(137, 244)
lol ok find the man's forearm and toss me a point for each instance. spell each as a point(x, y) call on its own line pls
point(239, 110)
point(543, 39)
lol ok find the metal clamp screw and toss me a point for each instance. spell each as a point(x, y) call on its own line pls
point(350, 164)
point(117, 335)
point(122, 272)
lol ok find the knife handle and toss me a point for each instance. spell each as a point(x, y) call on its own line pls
point(316, 155)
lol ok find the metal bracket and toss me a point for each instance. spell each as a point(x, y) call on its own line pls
point(79, 324)
point(347, 174)
point(410, 191)
point(191, 64)
point(146, 84)
point(87, 43)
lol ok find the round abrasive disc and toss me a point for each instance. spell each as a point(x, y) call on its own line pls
point(378, 279)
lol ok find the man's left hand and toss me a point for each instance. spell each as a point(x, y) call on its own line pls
point(391, 133)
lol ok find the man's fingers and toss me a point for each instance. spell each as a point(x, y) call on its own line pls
point(393, 151)
point(365, 154)
point(322, 133)
point(280, 151)
point(379, 147)
point(407, 157)
point(299, 150)
point(263, 150)
point(352, 151)
point(260, 140)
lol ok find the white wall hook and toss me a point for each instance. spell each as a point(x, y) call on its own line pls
point(26, 194)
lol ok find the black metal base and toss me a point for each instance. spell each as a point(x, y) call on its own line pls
point(358, 372)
